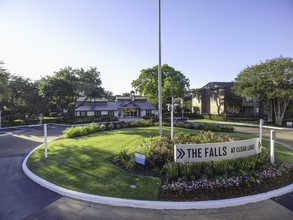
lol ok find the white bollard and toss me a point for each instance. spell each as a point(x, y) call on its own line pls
point(272, 148)
point(45, 135)
point(260, 131)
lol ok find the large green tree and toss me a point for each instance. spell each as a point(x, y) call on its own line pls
point(4, 86)
point(24, 98)
point(68, 84)
point(174, 83)
point(271, 82)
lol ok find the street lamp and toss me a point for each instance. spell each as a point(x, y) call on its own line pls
point(160, 75)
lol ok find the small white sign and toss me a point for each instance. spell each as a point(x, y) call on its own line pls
point(41, 115)
point(288, 123)
point(216, 151)
point(139, 158)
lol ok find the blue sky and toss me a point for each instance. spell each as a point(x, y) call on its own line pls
point(207, 40)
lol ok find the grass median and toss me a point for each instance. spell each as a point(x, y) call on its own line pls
point(84, 164)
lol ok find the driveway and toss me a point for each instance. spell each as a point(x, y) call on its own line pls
point(20, 198)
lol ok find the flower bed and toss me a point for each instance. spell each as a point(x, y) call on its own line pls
point(223, 187)
point(207, 180)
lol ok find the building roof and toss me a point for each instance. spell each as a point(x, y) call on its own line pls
point(114, 106)
point(218, 85)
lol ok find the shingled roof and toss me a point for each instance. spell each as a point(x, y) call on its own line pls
point(218, 85)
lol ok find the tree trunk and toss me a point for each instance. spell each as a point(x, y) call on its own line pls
point(268, 106)
point(280, 107)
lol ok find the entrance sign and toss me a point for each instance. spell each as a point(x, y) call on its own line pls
point(139, 158)
point(216, 151)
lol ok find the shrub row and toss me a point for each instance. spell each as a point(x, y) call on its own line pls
point(82, 130)
point(85, 130)
point(205, 126)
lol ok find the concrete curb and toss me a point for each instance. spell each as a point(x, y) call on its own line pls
point(6, 134)
point(152, 204)
point(242, 124)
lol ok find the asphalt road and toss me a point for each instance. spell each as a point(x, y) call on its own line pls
point(282, 136)
point(20, 198)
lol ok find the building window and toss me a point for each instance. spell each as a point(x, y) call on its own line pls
point(97, 113)
point(213, 97)
point(148, 112)
point(83, 113)
point(111, 113)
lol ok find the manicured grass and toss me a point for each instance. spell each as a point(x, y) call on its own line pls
point(230, 122)
point(83, 164)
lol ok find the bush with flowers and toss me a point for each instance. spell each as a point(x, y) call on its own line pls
point(159, 150)
point(227, 187)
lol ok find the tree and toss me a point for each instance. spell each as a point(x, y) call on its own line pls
point(174, 83)
point(67, 85)
point(270, 82)
point(4, 86)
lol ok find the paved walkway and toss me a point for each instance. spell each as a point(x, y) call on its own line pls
point(20, 198)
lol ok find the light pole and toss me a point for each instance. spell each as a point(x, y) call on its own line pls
point(160, 75)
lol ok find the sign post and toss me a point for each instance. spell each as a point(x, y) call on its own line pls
point(260, 130)
point(45, 135)
point(182, 111)
point(272, 148)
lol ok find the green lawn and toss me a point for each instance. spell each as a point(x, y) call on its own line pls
point(230, 122)
point(83, 164)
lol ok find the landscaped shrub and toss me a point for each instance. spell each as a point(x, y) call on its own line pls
point(159, 150)
point(180, 124)
point(102, 127)
point(217, 128)
point(110, 126)
point(188, 125)
point(81, 130)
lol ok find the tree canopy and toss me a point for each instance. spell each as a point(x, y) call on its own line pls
point(271, 82)
point(174, 83)
point(67, 85)
point(4, 86)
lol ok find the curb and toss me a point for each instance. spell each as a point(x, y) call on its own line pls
point(212, 204)
point(6, 134)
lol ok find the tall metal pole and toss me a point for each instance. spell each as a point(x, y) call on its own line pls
point(160, 75)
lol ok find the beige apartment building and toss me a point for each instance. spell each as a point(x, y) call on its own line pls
point(212, 99)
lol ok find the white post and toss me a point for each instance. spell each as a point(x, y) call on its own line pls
point(160, 76)
point(272, 150)
point(172, 119)
point(260, 130)
point(45, 135)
